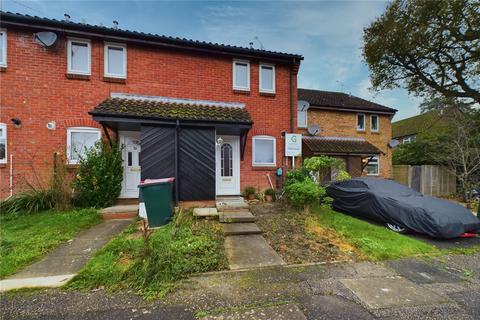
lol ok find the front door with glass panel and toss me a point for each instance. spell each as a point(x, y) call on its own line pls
point(228, 165)
point(131, 164)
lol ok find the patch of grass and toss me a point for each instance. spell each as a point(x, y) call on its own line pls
point(175, 251)
point(372, 241)
point(26, 238)
point(219, 310)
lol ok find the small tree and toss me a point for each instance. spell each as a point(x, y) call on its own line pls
point(99, 179)
point(322, 166)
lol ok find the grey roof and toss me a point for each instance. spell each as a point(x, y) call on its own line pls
point(340, 100)
point(6, 16)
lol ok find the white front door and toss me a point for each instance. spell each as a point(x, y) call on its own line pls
point(228, 165)
point(131, 163)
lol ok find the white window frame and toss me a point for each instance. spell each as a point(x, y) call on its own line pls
point(69, 139)
point(3, 63)
point(299, 125)
point(105, 60)
point(264, 164)
point(69, 56)
point(364, 121)
point(378, 167)
point(260, 77)
point(235, 86)
point(371, 122)
point(407, 140)
point(4, 127)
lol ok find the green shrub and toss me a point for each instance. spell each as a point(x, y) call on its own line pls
point(248, 191)
point(28, 202)
point(327, 202)
point(99, 179)
point(270, 192)
point(303, 194)
point(343, 175)
point(296, 175)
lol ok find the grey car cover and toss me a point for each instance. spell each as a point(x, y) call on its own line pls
point(388, 201)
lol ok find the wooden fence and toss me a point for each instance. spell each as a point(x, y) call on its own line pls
point(427, 179)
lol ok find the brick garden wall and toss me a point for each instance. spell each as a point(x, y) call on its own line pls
point(344, 124)
point(34, 88)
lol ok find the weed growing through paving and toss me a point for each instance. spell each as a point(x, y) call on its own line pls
point(175, 251)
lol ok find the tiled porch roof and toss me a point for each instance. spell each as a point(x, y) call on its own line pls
point(171, 110)
point(338, 146)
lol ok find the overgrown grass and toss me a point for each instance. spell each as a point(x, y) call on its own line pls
point(372, 241)
point(26, 238)
point(182, 248)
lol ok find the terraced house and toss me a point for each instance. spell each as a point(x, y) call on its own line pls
point(347, 127)
point(211, 115)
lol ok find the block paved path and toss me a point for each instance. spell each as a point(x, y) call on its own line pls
point(63, 263)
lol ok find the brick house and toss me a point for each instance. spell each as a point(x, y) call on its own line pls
point(353, 129)
point(211, 115)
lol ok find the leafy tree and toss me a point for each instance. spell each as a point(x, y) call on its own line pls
point(418, 152)
point(431, 48)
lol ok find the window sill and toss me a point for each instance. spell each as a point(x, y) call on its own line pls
point(114, 80)
point(3, 69)
point(3, 165)
point(375, 132)
point(72, 165)
point(240, 91)
point(77, 76)
point(267, 94)
point(264, 168)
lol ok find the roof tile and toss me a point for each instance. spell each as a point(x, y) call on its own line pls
point(331, 145)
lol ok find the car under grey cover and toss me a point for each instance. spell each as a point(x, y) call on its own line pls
point(390, 202)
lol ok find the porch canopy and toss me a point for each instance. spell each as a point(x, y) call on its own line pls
point(178, 136)
point(351, 150)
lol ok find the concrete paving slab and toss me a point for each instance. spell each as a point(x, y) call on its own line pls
point(44, 282)
point(237, 216)
point(250, 251)
point(70, 257)
point(232, 229)
point(422, 272)
point(333, 308)
point(282, 312)
point(205, 212)
point(391, 292)
point(121, 208)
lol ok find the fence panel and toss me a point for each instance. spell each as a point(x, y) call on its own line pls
point(428, 179)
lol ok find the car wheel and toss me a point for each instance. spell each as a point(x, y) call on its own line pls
point(396, 228)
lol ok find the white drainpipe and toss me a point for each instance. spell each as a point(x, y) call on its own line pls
point(11, 175)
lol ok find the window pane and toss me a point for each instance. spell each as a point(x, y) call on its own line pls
point(372, 167)
point(267, 78)
point(374, 123)
point(361, 121)
point(241, 75)
point(263, 151)
point(302, 118)
point(80, 141)
point(115, 60)
point(227, 160)
point(2, 149)
point(79, 56)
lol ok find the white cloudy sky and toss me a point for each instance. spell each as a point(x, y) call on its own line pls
point(327, 33)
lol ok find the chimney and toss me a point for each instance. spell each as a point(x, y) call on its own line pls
point(67, 17)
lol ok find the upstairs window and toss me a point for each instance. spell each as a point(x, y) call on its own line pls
point(302, 116)
point(241, 75)
point(3, 48)
point(79, 141)
point(115, 60)
point(374, 123)
point(267, 78)
point(373, 167)
point(264, 151)
point(3, 143)
point(79, 53)
point(360, 122)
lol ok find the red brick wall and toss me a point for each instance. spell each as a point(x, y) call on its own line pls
point(35, 89)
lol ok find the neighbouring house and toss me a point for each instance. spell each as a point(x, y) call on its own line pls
point(211, 115)
point(407, 130)
point(350, 128)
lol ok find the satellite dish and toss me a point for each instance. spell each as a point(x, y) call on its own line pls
point(45, 38)
point(303, 105)
point(393, 143)
point(313, 130)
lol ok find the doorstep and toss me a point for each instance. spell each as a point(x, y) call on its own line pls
point(128, 211)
